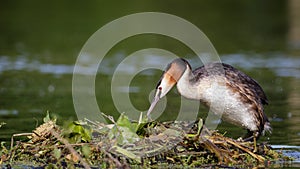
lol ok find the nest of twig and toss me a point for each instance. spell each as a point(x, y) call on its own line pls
point(125, 144)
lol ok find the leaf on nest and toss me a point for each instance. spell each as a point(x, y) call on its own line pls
point(77, 132)
point(124, 131)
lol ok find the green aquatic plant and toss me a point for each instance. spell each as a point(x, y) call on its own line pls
point(77, 132)
point(124, 131)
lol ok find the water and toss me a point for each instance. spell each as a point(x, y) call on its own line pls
point(291, 151)
point(39, 44)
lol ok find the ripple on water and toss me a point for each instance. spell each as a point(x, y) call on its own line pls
point(282, 65)
point(290, 151)
point(5, 112)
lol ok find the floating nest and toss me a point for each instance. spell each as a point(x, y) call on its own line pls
point(125, 144)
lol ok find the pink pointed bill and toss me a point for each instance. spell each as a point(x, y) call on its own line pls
point(154, 102)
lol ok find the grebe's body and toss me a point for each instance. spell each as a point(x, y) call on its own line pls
point(226, 90)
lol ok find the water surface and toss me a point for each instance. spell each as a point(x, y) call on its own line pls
point(39, 44)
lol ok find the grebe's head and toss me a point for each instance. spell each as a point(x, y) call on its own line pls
point(169, 78)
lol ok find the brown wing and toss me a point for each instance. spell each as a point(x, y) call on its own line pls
point(244, 83)
point(235, 78)
point(250, 92)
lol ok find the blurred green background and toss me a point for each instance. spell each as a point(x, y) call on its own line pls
point(40, 41)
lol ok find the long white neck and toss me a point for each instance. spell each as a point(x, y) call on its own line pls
point(186, 88)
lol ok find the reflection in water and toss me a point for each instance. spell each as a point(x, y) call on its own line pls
point(281, 65)
point(293, 101)
point(291, 151)
point(4, 112)
point(294, 42)
point(23, 64)
point(294, 24)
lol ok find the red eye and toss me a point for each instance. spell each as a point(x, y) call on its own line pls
point(159, 88)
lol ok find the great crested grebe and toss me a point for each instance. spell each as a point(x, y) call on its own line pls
point(242, 97)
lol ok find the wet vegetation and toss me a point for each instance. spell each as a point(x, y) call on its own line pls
point(125, 144)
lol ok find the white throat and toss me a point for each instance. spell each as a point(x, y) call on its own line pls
point(185, 88)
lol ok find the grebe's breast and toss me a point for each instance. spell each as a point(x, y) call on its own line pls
point(228, 104)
